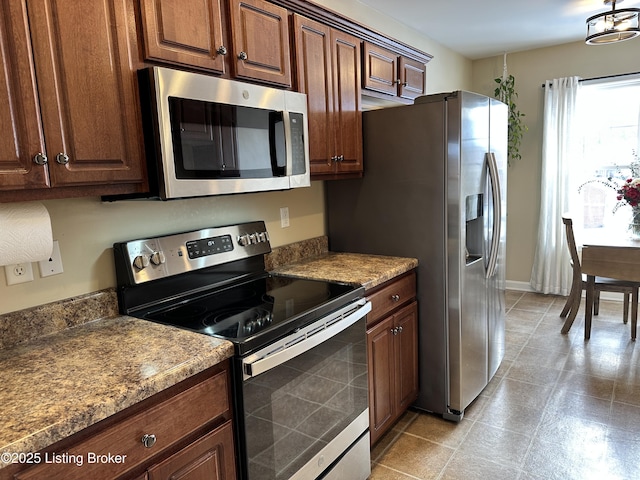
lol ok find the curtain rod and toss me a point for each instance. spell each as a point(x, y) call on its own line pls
point(605, 77)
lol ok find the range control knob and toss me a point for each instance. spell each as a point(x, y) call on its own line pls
point(243, 240)
point(158, 258)
point(263, 237)
point(141, 262)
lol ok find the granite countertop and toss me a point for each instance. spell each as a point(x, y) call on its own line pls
point(55, 386)
point(354, 268)
point(70, 364)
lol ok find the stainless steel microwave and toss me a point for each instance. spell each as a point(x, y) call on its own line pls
point(212, 136)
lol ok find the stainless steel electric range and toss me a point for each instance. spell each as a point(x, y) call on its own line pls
point(300, 364)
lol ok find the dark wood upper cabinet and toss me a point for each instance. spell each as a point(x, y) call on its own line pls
point(380, 69)
point(73, 61)
point(328, 71)
point(201, 45)
point(412, 78)
point(19, 104)
point(314, 68)
point(260, 46)
point(389, 73)
point(245, 39)
point(347, 101)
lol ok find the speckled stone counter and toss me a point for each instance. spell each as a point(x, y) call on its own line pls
point(359, 269)
point(67, 365)
point(56, 385)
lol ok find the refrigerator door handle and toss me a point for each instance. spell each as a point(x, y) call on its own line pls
point(497, 213)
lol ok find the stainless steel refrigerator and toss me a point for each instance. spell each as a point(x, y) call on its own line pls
point(434, 188)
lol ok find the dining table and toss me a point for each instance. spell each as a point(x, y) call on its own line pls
point(609, 255)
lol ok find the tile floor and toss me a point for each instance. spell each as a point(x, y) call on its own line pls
point(558, 408)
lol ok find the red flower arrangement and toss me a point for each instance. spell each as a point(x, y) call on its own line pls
point(629, 193)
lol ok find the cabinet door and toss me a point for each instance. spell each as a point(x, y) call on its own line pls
point(412, 78)
point(208, 458)
point(406, 355)
point(18, 104)
point(380, 351)
point(260, 43)
point(87, 89)
point(167, 39)
point(380, 72)
point(315, 77)
point(347, 113)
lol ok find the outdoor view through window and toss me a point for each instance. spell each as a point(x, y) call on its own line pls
point(609, 112)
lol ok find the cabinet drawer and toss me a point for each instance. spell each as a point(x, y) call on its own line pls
point(170, 421)
point(211, 457)
point(391, 296)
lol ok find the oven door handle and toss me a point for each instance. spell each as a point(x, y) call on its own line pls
point(303, 340)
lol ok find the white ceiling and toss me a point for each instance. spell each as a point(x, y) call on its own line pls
point(484, 28)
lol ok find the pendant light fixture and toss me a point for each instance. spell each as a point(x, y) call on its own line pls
point(613, 26)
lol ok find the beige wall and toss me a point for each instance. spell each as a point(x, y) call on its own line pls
point(87, 228)
point(531, 69)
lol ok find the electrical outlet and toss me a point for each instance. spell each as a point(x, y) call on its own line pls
point(18, 273)
point(53, 265)
point(284, 217)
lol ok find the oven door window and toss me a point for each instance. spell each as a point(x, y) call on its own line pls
point(213, 141)
point(295, 409)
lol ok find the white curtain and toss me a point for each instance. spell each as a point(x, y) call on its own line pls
point(551, 272)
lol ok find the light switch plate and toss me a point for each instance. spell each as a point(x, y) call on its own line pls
point(53, 265)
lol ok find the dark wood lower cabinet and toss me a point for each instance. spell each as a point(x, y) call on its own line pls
point(192, 438)
point(392, 351)
point(209, 458)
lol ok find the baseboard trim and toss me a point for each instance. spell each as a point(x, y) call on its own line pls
point(518, 286)
point(526, 287)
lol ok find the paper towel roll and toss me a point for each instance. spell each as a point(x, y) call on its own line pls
point(25, 233)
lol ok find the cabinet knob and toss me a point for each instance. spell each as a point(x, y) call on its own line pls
point(243, 56)
point(40, 159)
point(222, 50)
point(394, 330)
point(62, 158)
point(148, 440)
point(400, 329)
point(395, 297)
point(334, 158)
point(341, 158)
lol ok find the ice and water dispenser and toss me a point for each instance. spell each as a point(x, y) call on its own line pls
point(474, 221)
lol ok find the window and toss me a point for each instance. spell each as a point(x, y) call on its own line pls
point(609, 112)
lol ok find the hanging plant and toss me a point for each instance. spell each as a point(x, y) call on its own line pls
point(506, 93)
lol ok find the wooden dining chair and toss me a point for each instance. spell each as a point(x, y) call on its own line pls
point(578, 284)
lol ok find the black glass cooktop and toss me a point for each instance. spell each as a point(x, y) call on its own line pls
point(253, 313)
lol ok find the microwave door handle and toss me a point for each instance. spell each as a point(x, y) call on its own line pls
point(287, 143)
